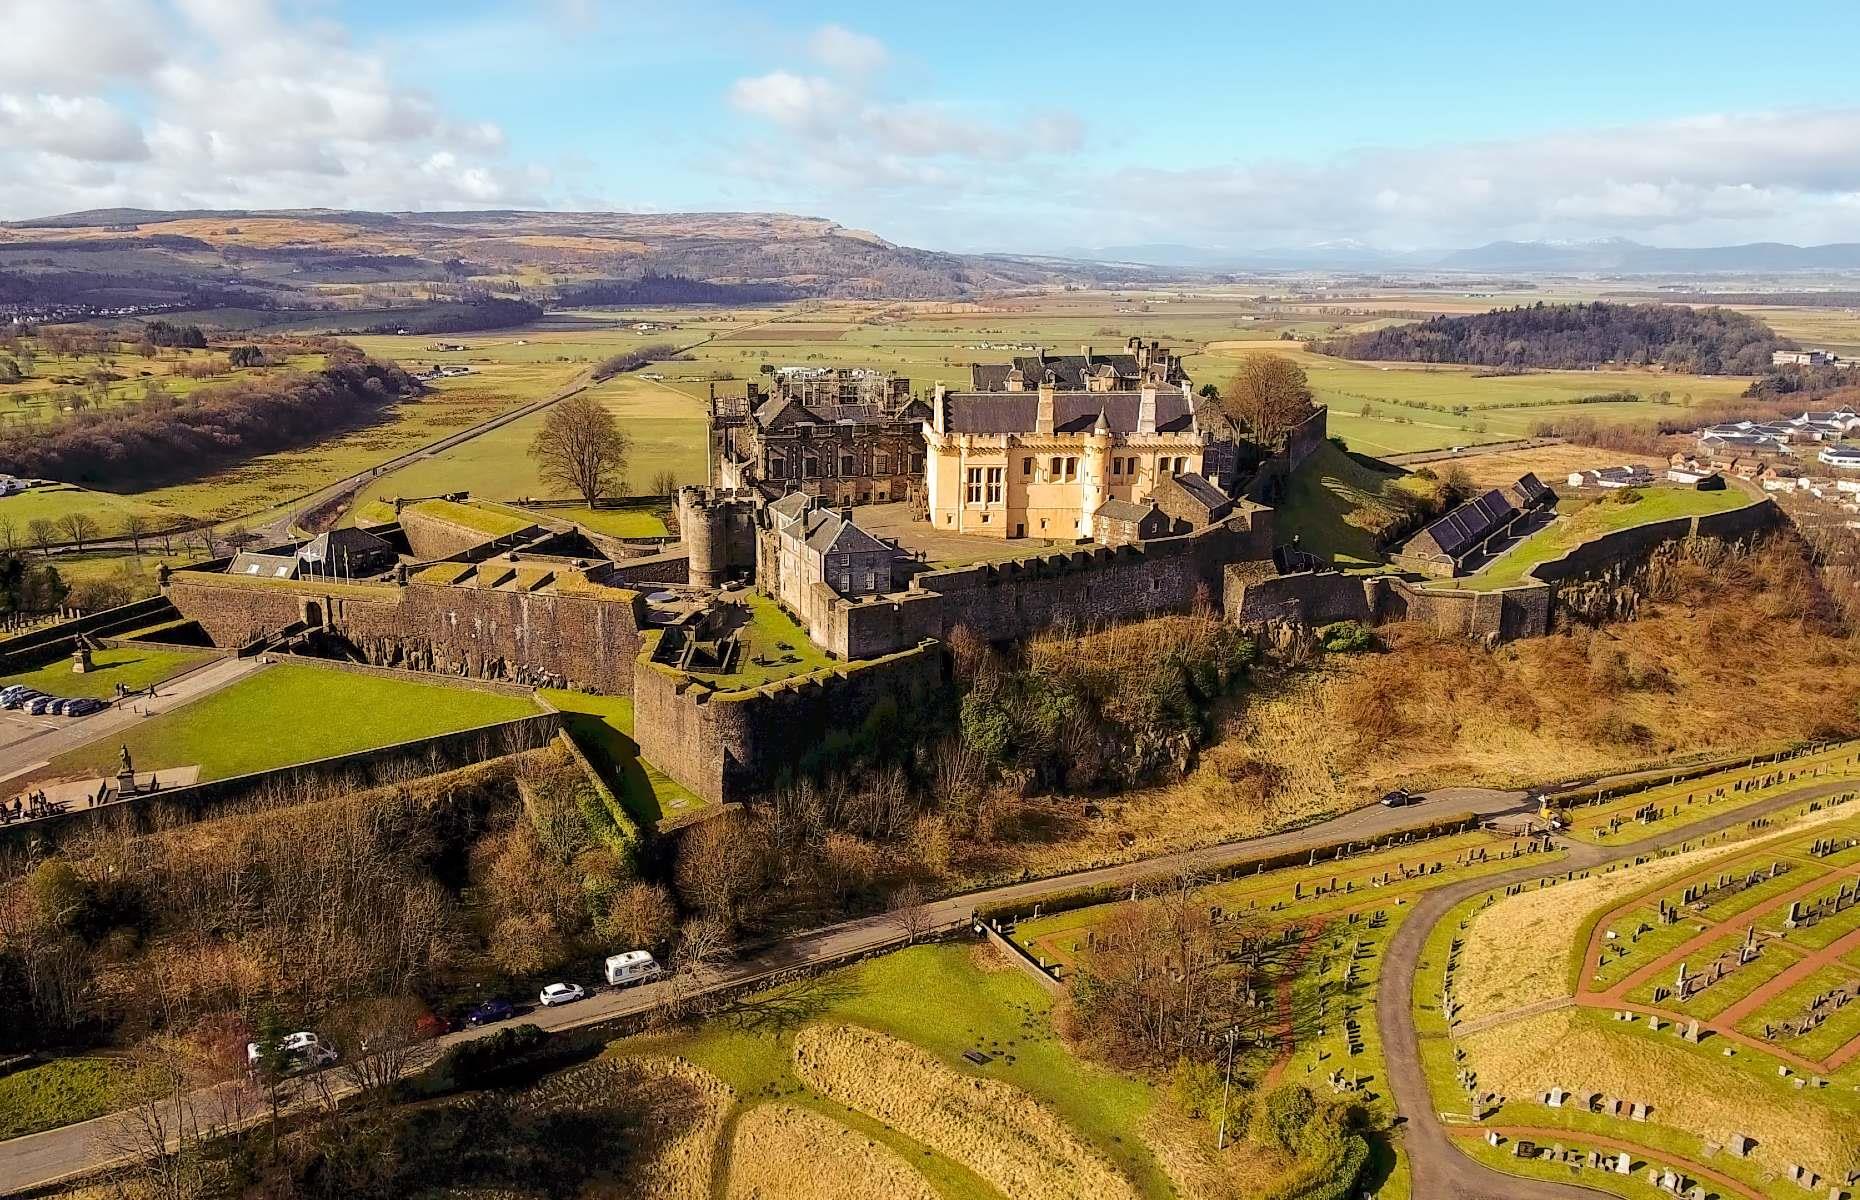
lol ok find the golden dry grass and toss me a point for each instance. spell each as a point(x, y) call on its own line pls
point(1687, 1090)
point(1516, 951)
point(682, 1109)
point(781, 1152)
point(1552, 464)
point(999, 1132)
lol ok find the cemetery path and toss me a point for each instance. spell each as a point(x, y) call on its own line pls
point(1438, 1169)
point(1811, 962)
point(74, 1151)
point(1553, 1136)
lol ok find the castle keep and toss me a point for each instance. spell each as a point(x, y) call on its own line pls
point(847, 435)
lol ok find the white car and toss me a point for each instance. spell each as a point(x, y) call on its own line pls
point(561, 993)
point(298, 1050)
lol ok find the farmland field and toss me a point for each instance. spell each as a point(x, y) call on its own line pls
point(259, 722)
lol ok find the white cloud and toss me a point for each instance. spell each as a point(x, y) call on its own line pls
point(805, 102)
point(199, 103)
point(841, 49)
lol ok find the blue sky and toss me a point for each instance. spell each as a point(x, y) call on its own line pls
point(1032, 126)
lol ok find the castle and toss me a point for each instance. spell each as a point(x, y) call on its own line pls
point(784, 612)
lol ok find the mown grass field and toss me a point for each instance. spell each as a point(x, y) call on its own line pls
point(133, 667)
point(289, 714)
point(943, 1000)
point(603, 727)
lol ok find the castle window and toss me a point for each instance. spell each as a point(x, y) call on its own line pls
point(997, 482)
point(1117, 465)
point(974, 490)
point(1058, 469)
point(882, 464)
point(848, 466)
point(778, 467)
point(1072, 469)
point(810, 466)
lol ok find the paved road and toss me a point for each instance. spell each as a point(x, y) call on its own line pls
point(80, 1149)
point(1440, 1172)
point(29, 753)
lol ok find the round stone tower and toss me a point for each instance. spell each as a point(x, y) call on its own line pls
point(703, 524)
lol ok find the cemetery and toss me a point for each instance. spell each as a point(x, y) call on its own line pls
point(1711, 1033)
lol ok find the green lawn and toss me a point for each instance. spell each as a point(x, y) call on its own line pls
point(1842, 1025)
point(603, 727)
point(615, 522)
point(492, 520)
point(1324, 495)
point(289, 714)
point(63, 1092)
point(935, 997)
point(133, 667)
point(1576, 525)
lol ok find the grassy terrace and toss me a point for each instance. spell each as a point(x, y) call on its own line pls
point(289, 714)
point(1689, 800)
point(773, 647)
point(492, 520)
point(1328, 496)
point(63, 1092)
point(1578, 522)
point(614, 522)
point(133, 667)
point(937, 998)
point(603, 727)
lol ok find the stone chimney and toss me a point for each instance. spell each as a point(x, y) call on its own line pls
point(1086, 352)
point(1143, 356)
point(939, 409)
point(1043, 413)
point(1146, 410)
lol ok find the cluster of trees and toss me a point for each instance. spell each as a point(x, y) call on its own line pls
point(164, 437)
point(674, 289)
point(464, 316)
point(1707, 341)
point(1268, 395)
point(633, 360)
point(165, 333)
point(1106, 709)
point(28, 588)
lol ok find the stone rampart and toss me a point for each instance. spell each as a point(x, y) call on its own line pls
point(37, 646)
point(1014, 600)
point(726, 746)
point(584, 637)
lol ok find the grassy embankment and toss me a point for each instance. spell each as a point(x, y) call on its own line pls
point(63, 1092)
point(1578, 521)
point(603, 727)
point(289, 714)
point(132, 666)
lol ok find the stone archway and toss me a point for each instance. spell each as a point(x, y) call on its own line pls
point(312, 614)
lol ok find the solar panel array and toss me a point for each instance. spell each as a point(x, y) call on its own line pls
point(1532, 490)
point(1471, 523)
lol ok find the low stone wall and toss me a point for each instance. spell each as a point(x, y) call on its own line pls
point(670, 566)
point(1306, 598)
point(38, 646)
point(726, 746)
point(1014, 600)
point(342, 773)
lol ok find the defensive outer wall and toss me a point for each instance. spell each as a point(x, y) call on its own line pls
point(1527, 610)
point(727, 745)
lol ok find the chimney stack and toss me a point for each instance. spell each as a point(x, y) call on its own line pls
point(1146, 410)
point(1043, 412)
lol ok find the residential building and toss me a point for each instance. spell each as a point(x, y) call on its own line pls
point(1632, 475)
point(816, 545)
point(1142, 363)
point(1448, 545)
point(1845, 457)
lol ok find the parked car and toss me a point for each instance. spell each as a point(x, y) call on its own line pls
point(38, 704)
point(635, 966)
point(490, 1012)
point(561, 993)
point(19, 697)
point(84, 707)
point(299, 1051)
point(1399, 798)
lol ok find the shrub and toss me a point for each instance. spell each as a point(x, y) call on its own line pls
point(1347, 637)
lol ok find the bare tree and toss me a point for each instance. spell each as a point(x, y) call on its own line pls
point(379, 1041)
point(44, 534)
point(239, 537)
point(135, 528)
point(1269, 394)
point(910, 911)
point(664, 483)
point(9, 534)
point(79, 528)
point(581, 447)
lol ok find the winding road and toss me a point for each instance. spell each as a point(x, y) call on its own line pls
point(1440, 1171)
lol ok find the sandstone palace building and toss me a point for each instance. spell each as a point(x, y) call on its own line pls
point(845, 435)
point(1039, 447)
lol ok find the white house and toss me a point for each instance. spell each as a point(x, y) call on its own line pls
point(1844, 457)
point(1612, 477)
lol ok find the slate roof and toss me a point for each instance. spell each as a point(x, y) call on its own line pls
point(1202, 492)
point(1532, 491)
point(1469, 524)
point(792, 505)
point(1069, 371)
point(829, 533)
point(268, 566)
point(779, 412)
point(1124, 510)
point(995, 413)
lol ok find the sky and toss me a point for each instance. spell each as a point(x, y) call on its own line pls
point(1032, 127)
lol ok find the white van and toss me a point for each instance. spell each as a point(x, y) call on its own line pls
point(635, 966)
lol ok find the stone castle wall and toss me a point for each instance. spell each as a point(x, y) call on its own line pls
point(558, 637)
point(728, 745)
point(432, 539)
point(1014, 600)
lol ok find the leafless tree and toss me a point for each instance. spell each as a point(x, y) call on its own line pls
point(44, 534)
point(379, 1041)
point(910, 911)
point(664, 483)
point(581, 447)
point(79, 528)
point(135, 528)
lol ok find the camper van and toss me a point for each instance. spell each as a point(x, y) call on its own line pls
point(635, 966)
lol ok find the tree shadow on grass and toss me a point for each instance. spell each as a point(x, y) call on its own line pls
point(786, 1009)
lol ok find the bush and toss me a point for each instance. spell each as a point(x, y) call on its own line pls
point(1347, 637)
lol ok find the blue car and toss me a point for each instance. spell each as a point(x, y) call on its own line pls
point(18, 698)
point(38, 705)
point(490, 1012)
